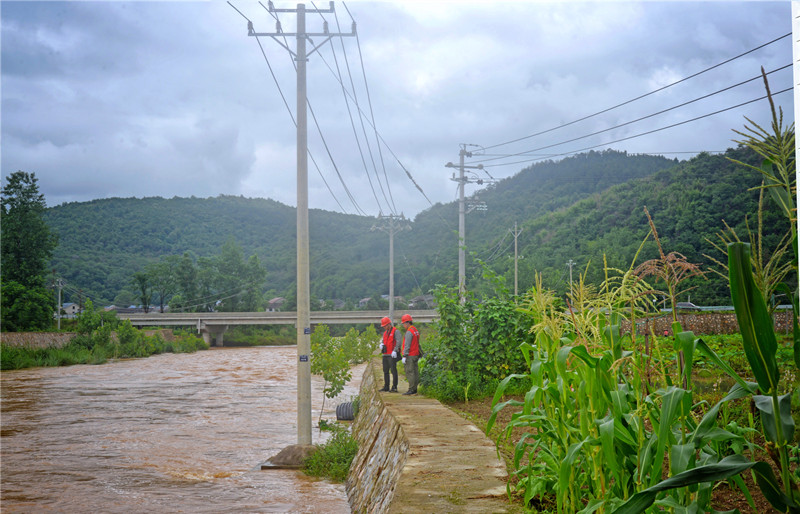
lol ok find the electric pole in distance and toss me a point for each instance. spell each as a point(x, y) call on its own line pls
point(516, 234)
point(303, 293)
point(461, 180)
point(391, 224)
point(570, 264)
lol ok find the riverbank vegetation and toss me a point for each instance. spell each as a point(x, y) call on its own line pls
point(100, 337)
point(333, 458)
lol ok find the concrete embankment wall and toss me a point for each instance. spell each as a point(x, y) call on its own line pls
point(382, 451)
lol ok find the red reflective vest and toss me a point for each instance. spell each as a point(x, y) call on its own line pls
point(388, 341)
point(413, 349)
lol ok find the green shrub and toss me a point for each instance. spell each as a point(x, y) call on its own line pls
point(332, 460)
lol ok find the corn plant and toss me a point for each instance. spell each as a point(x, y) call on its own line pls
point(593, 436)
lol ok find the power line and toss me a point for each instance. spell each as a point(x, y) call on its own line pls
point(644, 95)
point(352, 124)
point(757, 77)
point(646, 133)
point(289, 110)
point(371, 111)
point(383, 141)
point(361, 117)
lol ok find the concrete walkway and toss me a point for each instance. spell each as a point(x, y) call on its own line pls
point(451, 465)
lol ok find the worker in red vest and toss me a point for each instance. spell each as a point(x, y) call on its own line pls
point(390, 348)
point(412, 352)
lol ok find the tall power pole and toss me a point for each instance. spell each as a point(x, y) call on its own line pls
point(60, 285)
point(391, 224)
point(461, 180)
point(303, 292)
point(516, 234)
point(570, 264)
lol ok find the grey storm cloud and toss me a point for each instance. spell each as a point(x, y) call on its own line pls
point(104, 99)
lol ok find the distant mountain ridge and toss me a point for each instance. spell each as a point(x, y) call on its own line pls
point(577, 208)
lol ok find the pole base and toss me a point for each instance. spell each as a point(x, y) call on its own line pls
point(291, 457)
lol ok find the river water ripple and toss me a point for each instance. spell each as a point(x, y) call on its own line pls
point(170, 433)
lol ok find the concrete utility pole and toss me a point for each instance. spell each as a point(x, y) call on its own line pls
point(303, 292)
point(516, 234)
point(570, 264)
point(461, 180)
point(60, 286)
point(391, 224)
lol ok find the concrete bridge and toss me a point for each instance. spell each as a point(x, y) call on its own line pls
point(212, 325)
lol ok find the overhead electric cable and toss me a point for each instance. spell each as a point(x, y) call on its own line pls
point(642, 96)
point(371, 110)
point(353, 125)
point(319, 129)
point(410, 270)
point(383, 141)
point(757, 77)
point(361, 120)
point(372, 124)
point(648, 132)
point(280, 91)
point(291, 115)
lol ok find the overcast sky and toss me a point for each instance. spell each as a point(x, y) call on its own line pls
point(135, 99)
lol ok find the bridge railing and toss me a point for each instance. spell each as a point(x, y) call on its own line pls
point(200, 319)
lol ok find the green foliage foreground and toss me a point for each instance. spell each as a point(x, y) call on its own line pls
point(603, 420)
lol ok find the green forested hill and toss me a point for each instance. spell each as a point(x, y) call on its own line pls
point(578, 208)
point(688, 204)
point(533, 192)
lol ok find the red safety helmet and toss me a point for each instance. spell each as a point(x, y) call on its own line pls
point(385, 321)
point(406, 317)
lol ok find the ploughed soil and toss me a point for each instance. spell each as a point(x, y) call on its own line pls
point(724, 497)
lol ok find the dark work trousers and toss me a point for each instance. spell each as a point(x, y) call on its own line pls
point(389, 364)
point(412, 372)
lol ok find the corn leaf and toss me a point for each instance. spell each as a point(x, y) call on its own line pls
point(764, 405)
point(755, 323)
point(727, 467)
point(671, 401)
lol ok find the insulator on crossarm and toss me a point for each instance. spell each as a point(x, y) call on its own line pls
point(325, 27)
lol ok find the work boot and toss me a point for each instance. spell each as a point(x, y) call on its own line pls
point(385, 389)
point(393, 390)
point(409, 393)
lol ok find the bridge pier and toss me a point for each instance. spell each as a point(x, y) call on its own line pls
point(212, 334)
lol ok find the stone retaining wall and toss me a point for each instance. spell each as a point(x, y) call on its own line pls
point(59, 339)
point(36, 339)
point(710, 323)
point(382, 451)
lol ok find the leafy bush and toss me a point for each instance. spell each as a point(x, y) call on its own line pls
point(332, 460)
point(475, 343)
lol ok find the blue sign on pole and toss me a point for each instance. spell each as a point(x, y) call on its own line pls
point(304, 358)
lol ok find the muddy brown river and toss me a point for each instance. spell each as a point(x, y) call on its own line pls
point(169, 433)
